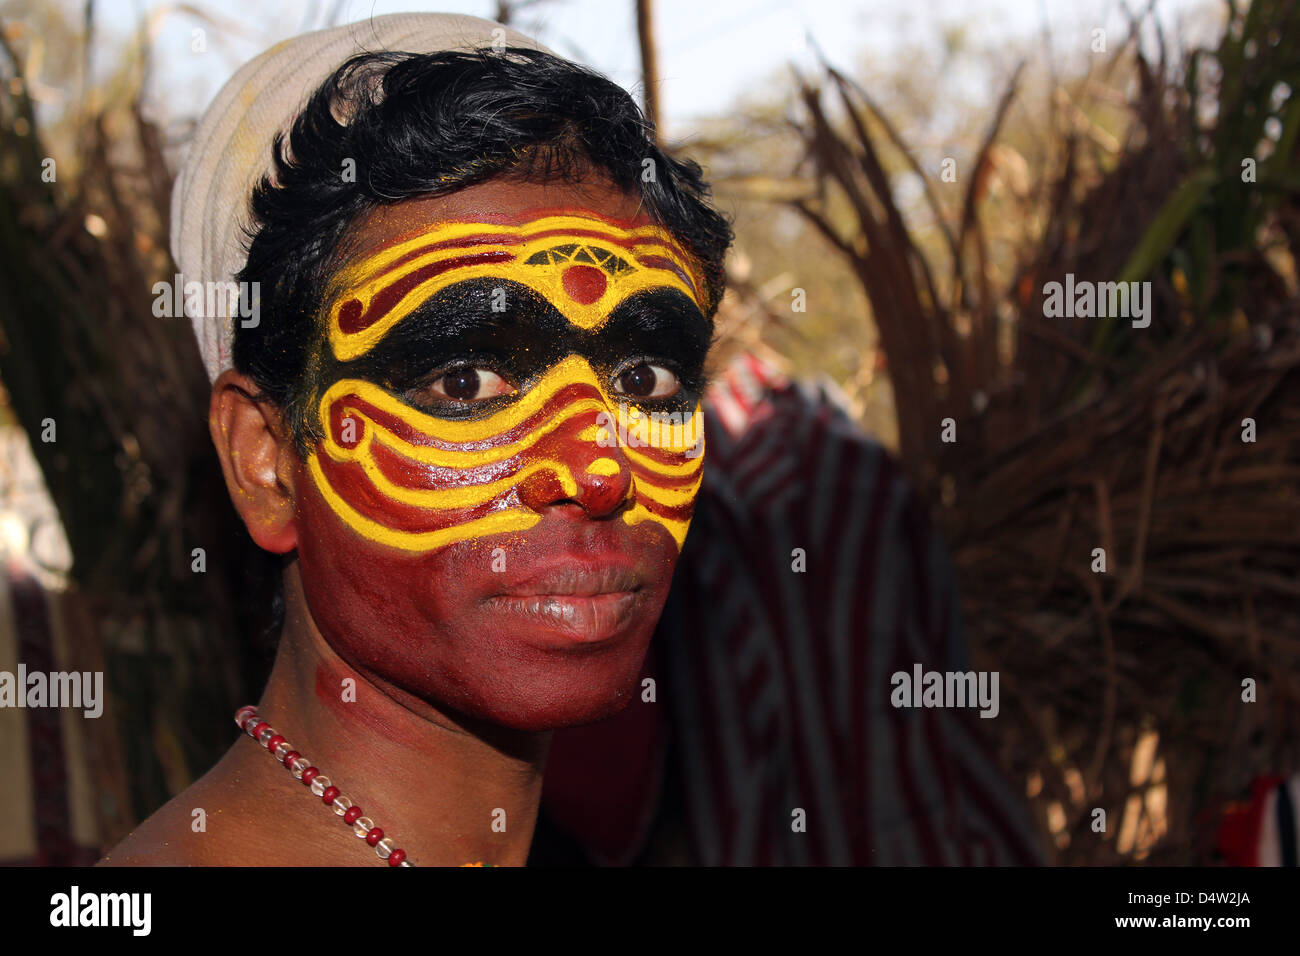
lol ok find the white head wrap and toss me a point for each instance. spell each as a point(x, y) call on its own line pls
point(231, 148)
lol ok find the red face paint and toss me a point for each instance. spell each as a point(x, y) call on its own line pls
point(511, 568)
point(446, 627)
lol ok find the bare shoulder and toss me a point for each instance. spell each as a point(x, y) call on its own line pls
point(206, 824)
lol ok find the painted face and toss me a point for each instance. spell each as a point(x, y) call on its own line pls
point(512, 445)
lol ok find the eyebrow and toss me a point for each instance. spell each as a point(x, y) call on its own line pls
point(661, 320)
point(459, 321)
point(530, 334)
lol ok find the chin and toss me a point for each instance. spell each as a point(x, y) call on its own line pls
point(571, 711)
point(538, 688)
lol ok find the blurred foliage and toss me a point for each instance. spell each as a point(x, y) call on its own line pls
point(1039, 439)
point(130, 467)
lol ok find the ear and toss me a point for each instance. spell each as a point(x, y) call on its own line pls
point(258, 459)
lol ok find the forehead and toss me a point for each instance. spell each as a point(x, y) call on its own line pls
point(585, 249)
point(497, 201)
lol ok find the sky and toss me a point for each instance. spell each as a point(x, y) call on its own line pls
point(710, 53)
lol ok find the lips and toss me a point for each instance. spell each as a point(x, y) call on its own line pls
point(576, 580)
point(572, 603)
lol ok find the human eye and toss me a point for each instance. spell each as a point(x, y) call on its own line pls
point(464, 384)
point(646, 380)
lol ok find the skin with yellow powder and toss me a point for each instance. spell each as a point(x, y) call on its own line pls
point(465, 476)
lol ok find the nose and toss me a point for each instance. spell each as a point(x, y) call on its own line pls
point(587, 453)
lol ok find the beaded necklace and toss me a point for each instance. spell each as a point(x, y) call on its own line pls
point(247, 719)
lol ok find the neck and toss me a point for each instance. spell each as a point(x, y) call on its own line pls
point(447, 789)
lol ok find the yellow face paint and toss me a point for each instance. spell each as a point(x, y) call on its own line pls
point(413, 481)
point(583, 266)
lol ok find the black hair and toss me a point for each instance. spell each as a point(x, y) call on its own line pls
point(417, 125)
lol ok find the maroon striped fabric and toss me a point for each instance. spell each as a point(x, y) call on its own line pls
point(776, 683)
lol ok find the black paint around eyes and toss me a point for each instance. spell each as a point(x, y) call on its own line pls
point(493, 322)
point(510, 329)
point(657, 324)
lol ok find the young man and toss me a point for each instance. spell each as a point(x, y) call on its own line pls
point(466, 408)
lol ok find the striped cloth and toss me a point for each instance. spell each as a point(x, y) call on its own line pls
point(1262, 831)
point(773, 685)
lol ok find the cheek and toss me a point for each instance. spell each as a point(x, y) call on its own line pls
point(359, 590)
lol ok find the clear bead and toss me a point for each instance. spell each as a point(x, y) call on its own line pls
point(406, 863)
point(281, 749)
point(362, 827)
point(385, 848)
point(320, 784)
point(341, 804)
point(249, 724)
point(298, 766)
point(265, 735)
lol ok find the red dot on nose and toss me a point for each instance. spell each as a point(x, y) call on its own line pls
point(584, 284)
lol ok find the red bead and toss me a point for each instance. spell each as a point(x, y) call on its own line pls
point(374, 836)
point(328, 796)
point(274, 742)
point(243, 714)
point(396, 857)
point(290, 757)
point(257, 730)
point(352, 814)
point(308, 775)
